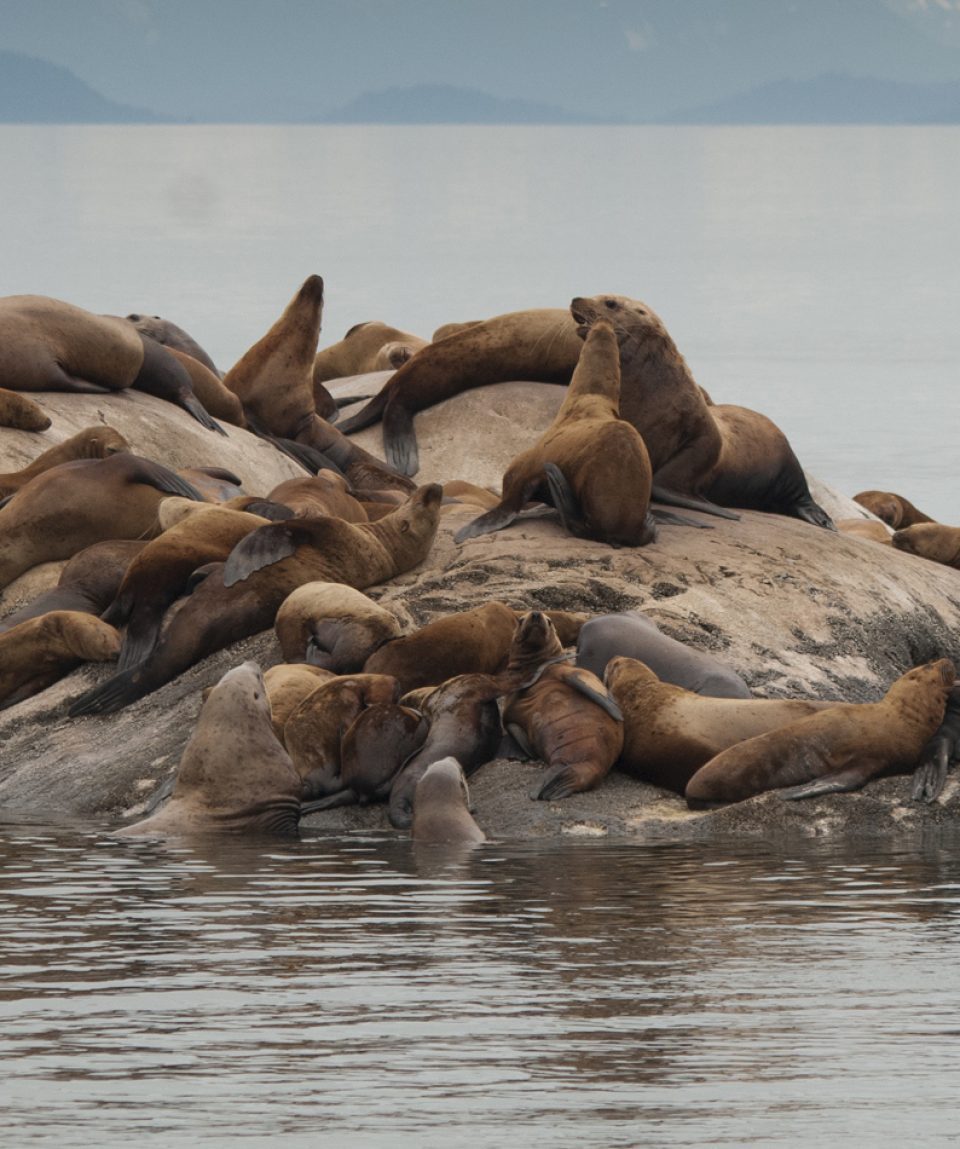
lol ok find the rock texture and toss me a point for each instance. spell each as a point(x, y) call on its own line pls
point(796, 610)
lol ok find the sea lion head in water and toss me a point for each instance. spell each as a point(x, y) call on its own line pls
point(234, 777)
point(441, 809)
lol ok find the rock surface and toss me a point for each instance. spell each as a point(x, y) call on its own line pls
point(796, 610)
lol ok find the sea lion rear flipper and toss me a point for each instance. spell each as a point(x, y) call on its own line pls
point(399, 439)
point(519, 736)
point(140, 637)
point(331, 802)
point(111, 695)
point(165, 377)
point(493, 520)
point(674, 499)
point(157, 475)
point(840, 783)
point(570, 511)
point(275, 512)
point(346, 400)
point(509, 747)
point(580, 680)
point(812, 512)
point(261, 548)
point(566, 780)
point(679, 520)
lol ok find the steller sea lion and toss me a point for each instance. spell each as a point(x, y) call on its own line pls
point(603, 488)
point(558, 713)
point(469, 641)
point(332, 625)
point(20, 413)
point(243, 596)
point(366, 347)
point(288, 684)
point(894, 510)
point(209, 390)
point(838, 750)
point(868, 529)
point(634, 635)
point(174, 338)
point(932, 541)
point(464, 723)
point(159, 574)
point(441, 810)
point(234, 776)
point(37, 652)
point(314, 730)
point(931, 774)
point(670, 732)
point(376, 744)
point(322, 494)
point(88, 583)
point(90, 443)
point(72, 505)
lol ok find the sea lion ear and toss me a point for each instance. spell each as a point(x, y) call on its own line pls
point(404, 526)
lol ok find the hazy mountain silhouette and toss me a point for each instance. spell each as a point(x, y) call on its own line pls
point(446, 104)
point(37, 92)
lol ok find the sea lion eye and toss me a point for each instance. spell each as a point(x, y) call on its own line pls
point(611, 303)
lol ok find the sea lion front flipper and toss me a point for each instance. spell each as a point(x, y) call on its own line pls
point(943, 748)
point(668, 517)
point(519, 736)
point(165, 377)
point(569, 510)
point(399, 438)
point(157, 475)
point(812, 512)
point(346, 400)
point(112, 695)
point(840, 783)
point(580, 680)
point(660, 494)
point(261, 548)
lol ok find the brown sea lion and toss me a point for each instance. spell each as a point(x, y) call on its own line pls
point(215, 484)
point(90, 443)
point(314, 730)
point(160, 573)
point(274, 382)
point(322, 494)
point(837, 750)
point(464, 723)
point(49, 345)
point(894, 510)
point(868, 529)
point(243, 596)
point(634, 635)
point(603, 488)
point(441, 811)
point(35, 653)
point(88, 583)
point(558, 713)
point(234, 776)
point(464, 492)
point(174, 338)
point(376, 745)
point(210, 391)
point(943, 748)
point(670, 732)
point(932, 541)
point(446, 329)
point(469, 641)
point(20, 413)
point(72, 505)
point(332, 625)
point(367, 347)
point(288, 684)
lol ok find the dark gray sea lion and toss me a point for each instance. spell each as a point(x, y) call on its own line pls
point(174, 338)
point(634, 635)
point(234, 777)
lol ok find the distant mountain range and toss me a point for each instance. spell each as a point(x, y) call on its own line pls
point(36, 91)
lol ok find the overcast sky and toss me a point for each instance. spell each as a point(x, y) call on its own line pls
point(292, 59)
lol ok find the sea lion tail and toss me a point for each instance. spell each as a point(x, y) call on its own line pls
point(366, 416)
point(674, 499)
point(112, 695)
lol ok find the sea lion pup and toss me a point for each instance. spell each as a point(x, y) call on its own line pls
point(894, 510)
point(931, 541)
point(633, 634)
point(287, 686)
point(174, 338)
point(670, 732)
point(868, 529)
point(333, 626)
point(540, 345)
point(838, 750)
point(72, 505)
point(160, 573)
point(469, 641)
point(35, 653)
point(242, 597)
point(88, 583)
point(722, 453)
point(21, 413)
point(234, 776)
point(558, 713)
point(274, 382)
point(367, 347)
point(314, 730)
point(441, 810)
point(601, 477)
point(464, 723)
point(322, 494)
point(90, 443)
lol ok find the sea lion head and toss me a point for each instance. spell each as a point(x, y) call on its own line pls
point(884, 504)
point(441, 807)
point(622, 671)
point(627, 316)
point(933, 541)
point(535, 637)
point(100, 442)
point(419, 516)
point(392, 356)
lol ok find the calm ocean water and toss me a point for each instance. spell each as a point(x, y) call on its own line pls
point(350, 991)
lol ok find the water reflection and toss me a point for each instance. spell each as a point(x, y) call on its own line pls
point(600, 994)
